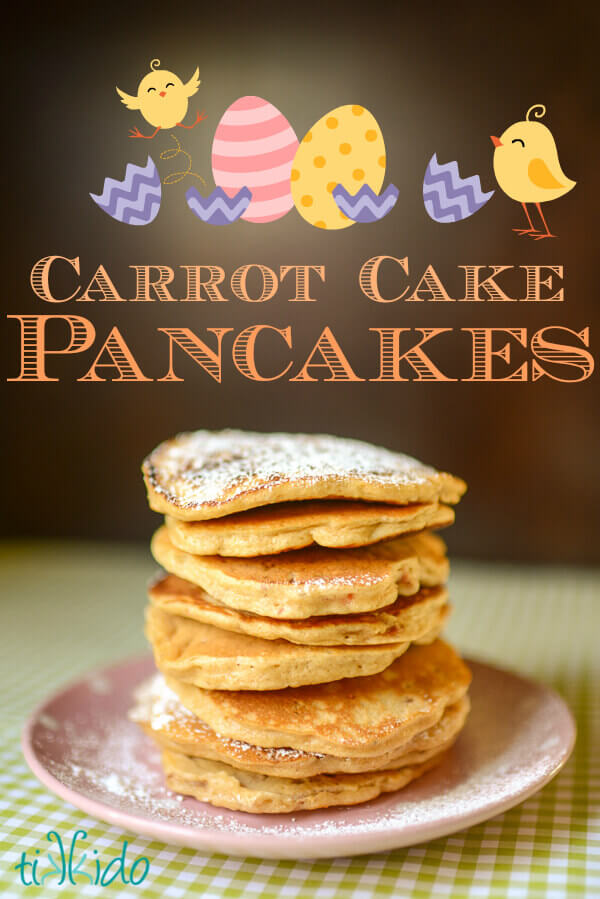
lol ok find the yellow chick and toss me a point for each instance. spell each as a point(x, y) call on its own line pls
point(527, 169)
point(163, 99)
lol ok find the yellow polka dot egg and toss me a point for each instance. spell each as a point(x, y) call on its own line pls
point(344, 147)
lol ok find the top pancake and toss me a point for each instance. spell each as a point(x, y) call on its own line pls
point(356, 717)
point(284, 526)
point(205, 474)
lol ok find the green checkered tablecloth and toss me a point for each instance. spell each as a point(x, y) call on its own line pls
point(68, 607)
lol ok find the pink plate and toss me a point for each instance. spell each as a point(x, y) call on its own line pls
point(80, 744)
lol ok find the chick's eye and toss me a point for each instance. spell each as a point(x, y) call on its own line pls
point(518, 140)
point(151, 89)
point(170, 84)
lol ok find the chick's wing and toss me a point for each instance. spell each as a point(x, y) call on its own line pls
point(190, 87)
point(541, 175)
point(129, 101)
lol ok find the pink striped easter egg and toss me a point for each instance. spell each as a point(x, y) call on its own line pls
point(254, 146)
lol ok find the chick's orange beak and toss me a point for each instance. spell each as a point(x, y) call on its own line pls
point(164, 94)
point(495, 140)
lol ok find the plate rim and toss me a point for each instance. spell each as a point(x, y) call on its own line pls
point(283, 845)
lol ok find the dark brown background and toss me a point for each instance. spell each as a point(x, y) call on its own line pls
point(438, 78)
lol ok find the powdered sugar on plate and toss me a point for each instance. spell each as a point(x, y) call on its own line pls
point(517, 737)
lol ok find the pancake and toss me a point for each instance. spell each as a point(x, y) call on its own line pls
point(312, 581)
point(352, 718)
point(208, 474)
point(285, 526)
point(406, 620)
point(162, 716)
point(228, 787)
point(215, 659)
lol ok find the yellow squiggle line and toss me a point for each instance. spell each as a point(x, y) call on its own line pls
point(176, 177)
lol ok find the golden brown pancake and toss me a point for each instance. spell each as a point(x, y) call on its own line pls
point(207, 474)
point(352, 718)
point(285, 526)
point(312, 581)
point(162, 716)
point(228, 787)
point(408, 619)
point(215, 659)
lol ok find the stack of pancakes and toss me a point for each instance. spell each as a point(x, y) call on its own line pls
point(296, 629)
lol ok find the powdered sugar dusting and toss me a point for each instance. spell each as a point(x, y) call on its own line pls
point(160, 708)
point(517, 736)
point(114, 767)
point(99, 683)
point(205, 467)
point(49, 722)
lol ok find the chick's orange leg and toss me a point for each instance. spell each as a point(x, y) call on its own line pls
point(547, 232)
point(199, 117)
point(135, 132)
point(531, 229)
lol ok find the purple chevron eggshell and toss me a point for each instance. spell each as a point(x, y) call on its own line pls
point(448, 197)
point(254, 146)
point(365, 205)
point(218, 208)
point(136, 199)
